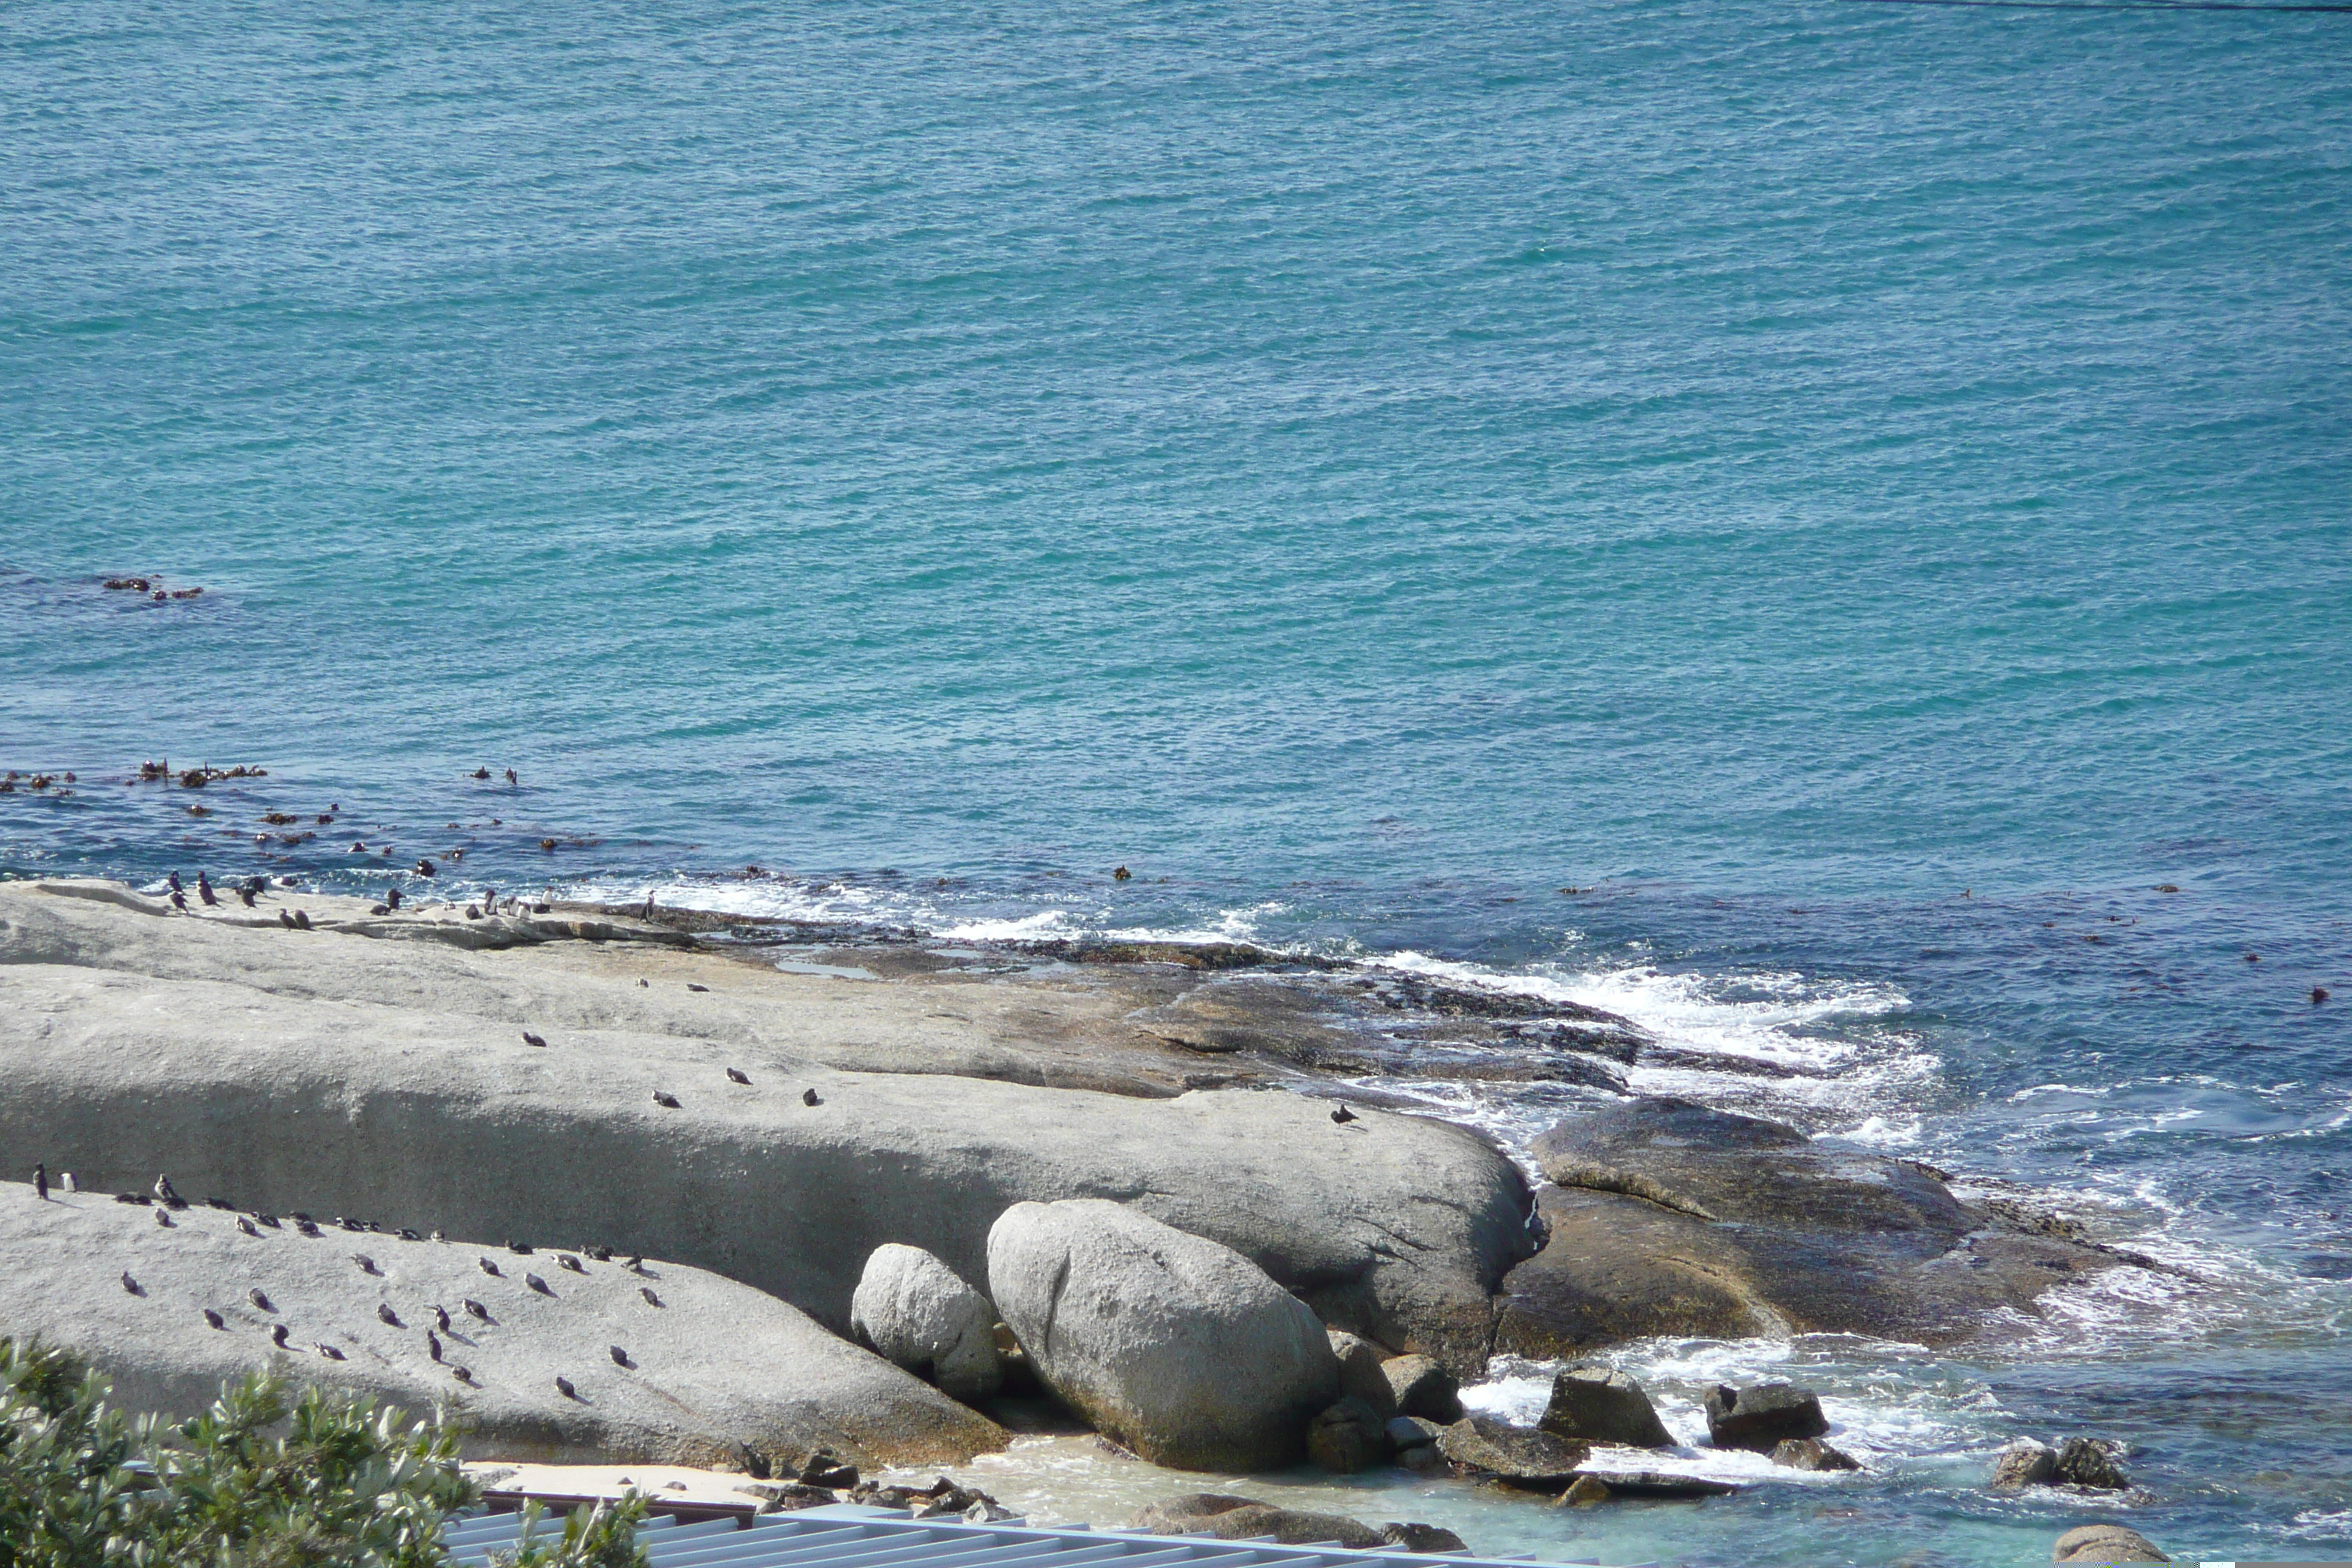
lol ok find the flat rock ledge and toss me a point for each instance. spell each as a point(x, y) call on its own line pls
point(717, 1374)
point(390, 1080)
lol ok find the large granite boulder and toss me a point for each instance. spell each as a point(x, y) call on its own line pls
point(2094, 1543)
point(1360, 1376)
point(1347, 1438)
point(1601, 1406)
point(1762, 1417)
point(1172, 1346)
point(914, 1313)
point(667, 1365)
point(1668, 1219)
point(341, 1070)
point(1418, 1385)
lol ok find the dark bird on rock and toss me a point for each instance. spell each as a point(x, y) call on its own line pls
point(565, 1260)
point(407, 1235)
point(131, 1284)
point(488, 1267)
point(380, 909)
point(220, 1204)
point(41, 1178)
point(248, 1227)
point(163, 1218)
point(204, 890)
point(461, 1373)
point(600, 1254)
point(179, 902)
point(278, 1335)
point(667, 1099)
point(141, 1199)
point(367, 1264)
point(534, 1282)
point(473, 912)
point(307, 1226)
point(391, 898)
point(385, 1314)
point(519, 1248)
point(348, 1224)
point(441, 1316)
point(163, 1190)
point(174, 880)
point(245, 897)
point(440, 1235)
point(427, 869)
point(530, 1039)
point(808, 1097)
point(563, 1386)
point(259, 1299)
point(476, 1310)
point(619, 1356)
point(644, 984)
point(269, 1220)
point(648, 1292)
point(511, 776)
point(330, 1352)
point(213, 1320)
point(736, 1075)
point(286, 920)
point(301, 920)
point(433, 1344)
point(1343, 1116)
point(690, 985)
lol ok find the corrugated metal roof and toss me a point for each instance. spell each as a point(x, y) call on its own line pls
point(847, 1535)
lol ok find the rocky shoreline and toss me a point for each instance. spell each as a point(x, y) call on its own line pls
point(1128, 1183)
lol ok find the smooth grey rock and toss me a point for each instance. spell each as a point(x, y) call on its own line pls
point(1811, 1454)
point(1422, 1537)
point(1659, 1483)
point(1413, 1432)
point(2091, 1462)
point(1229, 1518)
point(716, 1372)
point(1172, 1346)
point(2026, 1463)
point(1360, 1376)
point(1601, 1406)
point(914, 1313)
point(1346, 1437)
point(1760, 1419)
point(1418, 1385)
point(2106, 1543)
point(1670, 1218)
point(1523, 1456)
point(341, 1073)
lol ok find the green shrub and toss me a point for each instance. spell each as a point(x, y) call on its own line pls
point(323, 1479)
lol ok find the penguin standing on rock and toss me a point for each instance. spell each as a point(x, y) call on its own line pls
point(1343, 1116)
point(163, 1190)
point(174, 879)
point(278, 1335)
point(433, 1344)
point(205, 890)
point(41, 1181)
point(245, 897)
point(286, 920)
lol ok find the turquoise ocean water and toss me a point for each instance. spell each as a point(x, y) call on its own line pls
point(1860, 492)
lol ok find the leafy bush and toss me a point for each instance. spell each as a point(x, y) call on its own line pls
point(324, 1479)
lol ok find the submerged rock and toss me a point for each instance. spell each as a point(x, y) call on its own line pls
point(1422, 1537)
point(914, 1313)
point(1762, 1417)
point(1669, 1218)
point(1172, 1346)
point(2091, 1462)
point(1522, 1457)
point(2026, 1463)
point(1603, 1406)
point(1231, 1518)
point(1813, 1454)
point(2091, 1543)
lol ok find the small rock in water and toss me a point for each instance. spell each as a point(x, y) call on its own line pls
point(1522, 1457)
point(825, 1467)
point(2106, 1543)
point(1585, 1492)
point(1813, 1454)
point(1422, 1537)
point(1601, 1406)
point(2091, 1462)
point(2026, 1463)
point(1761, 1418)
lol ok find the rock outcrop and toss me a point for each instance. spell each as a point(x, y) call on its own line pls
point(1418, 1385)
point(1600, 1405)
point(2094, 1463)
point(1346, 1437)
point(2094, 1543)
point(339, 1073)
point(1522, 1457)
point(1172, 1346)
point(916, 1314)
point(1669, 1218)
point(1361, 1373)
point(2025, 1463)
point(1762, 1417)
point(667, 1365)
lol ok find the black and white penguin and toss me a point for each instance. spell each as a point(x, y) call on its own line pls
point(41, 1181)
point(385, 1315)
point(736, 1075)
point(278, 1335)
point(563, 1386)
point(259, 1299)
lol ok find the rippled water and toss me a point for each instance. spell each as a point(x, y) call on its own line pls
point(1855, 491)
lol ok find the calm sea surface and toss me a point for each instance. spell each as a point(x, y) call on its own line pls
point(1862, 493)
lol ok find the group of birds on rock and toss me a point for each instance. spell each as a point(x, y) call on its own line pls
point(167, 1199)
point(669, 1101)
point(247, 892)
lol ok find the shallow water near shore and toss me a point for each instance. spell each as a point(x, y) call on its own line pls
point(1790, 523)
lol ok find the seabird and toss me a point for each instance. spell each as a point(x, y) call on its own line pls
point(163, 1190)
point(380, 909)
point(433, 1344)
point(367, 1264)
point(1121, 875)
point(307, 1226)
point(511, 776)
point(634, 1265)
point(248, 1227)
point(473, 912)
point(179, 902)
point(330, 1352)
point(644, 985)
point(64, 1180)
point(690, 985)
point(565, 1260)
point(301, 920)
point(131, 1284)
point(808, 1097)
point(736, 1075)
point(476, 1308)
point(481, 772)
point(407, 1235)
point(205, 890)
point(278, 1335)
point(600, 1254)
point(163, 1218)
point(534, 1282)
point(286, 920)
point(220, 1204)
point(530, 1039)
point(1343, 1116)
point(619, 1356)
point(461, 1374)
point(266, 1219)
point(391, 898)
point(519, 1248)
point(259, 1299)
point(650, 907)
point(666, 1099)
point(141, 1199)
point(563, 1386)
point(213, 1320)
point(441, 1316)
point(425, 868)
point(174, 880)
point(245, 896)
point(648, 1292)
point(41, 1175)
point(385, 1314)
point(488, 1267)
point(2318, 995)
